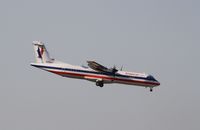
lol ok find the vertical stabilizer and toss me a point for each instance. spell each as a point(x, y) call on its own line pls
point(41, 53)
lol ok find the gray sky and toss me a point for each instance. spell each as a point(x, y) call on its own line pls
point(153, 36)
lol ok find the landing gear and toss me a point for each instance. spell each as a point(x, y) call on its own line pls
point(151, 89)
point(99, 83)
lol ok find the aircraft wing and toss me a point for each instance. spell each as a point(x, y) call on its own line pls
point(98, 67)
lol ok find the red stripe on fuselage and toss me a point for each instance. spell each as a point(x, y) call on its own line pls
point(78, 75)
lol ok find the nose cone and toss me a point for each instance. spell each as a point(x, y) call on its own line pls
point(158, 83)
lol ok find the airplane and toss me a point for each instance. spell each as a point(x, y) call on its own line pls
point(94, 72)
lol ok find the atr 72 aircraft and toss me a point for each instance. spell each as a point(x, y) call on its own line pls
point(94, 72)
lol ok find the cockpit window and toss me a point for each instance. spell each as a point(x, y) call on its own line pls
point(151, 78)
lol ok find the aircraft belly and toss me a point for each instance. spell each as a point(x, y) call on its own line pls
point(134, 82)
point(67, 74)
point(128, 83)
point(94, 79)
point(72, 76)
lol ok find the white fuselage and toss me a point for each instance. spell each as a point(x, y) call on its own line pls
point(80, 72)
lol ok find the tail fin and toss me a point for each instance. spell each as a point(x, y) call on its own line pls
point(41, 53)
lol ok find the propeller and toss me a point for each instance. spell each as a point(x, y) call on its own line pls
point(114, 69)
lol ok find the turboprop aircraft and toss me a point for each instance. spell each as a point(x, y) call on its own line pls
point(94, 72)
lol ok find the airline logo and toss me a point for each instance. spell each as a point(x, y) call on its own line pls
point(40, 52)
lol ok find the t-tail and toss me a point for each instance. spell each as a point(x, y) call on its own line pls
point(41, 53)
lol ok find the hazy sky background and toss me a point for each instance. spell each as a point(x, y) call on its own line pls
point(160, 37)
